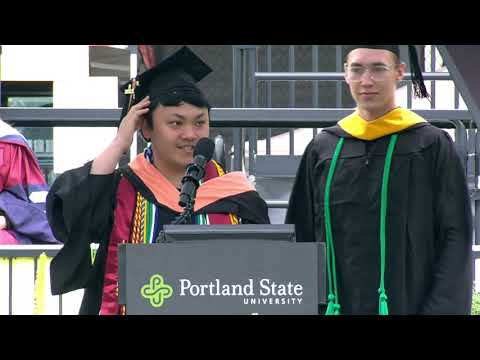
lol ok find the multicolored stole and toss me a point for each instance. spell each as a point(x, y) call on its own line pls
point(143, 227)
point(145, 224)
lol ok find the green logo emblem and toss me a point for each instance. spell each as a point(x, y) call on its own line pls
point(156, 291)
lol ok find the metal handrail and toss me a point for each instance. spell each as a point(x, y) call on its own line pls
point(333, 76)
point(28, 250)
point(220, 117)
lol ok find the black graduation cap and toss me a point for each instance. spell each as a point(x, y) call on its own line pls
point(416, 71)
point(174, 76)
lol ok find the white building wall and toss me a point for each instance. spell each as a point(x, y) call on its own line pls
point(68, 67)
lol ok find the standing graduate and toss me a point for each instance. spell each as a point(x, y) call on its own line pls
point(98, 206)
point(387, 192)
point(23, 191)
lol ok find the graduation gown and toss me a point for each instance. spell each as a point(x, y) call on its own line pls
point(23, 191)
point(105, 210)
point(429, 229)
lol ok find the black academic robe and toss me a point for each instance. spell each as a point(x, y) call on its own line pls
point(81, 210)
point(429, 226)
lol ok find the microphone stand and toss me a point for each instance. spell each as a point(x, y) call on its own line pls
point(186, 216)
point(182, 219)
point(190, 184)
point(188, 201)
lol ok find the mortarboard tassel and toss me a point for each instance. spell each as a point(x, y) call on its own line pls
point(148, 55)
point(416, 71)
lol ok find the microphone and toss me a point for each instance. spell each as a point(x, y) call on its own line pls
point(202, 154)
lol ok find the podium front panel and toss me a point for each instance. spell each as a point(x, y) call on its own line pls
point(222, 277)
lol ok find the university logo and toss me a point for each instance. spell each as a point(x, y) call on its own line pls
point(156, 291)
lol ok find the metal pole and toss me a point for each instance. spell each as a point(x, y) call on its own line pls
point(252, 132)
point(476, 225)
point(133, 73)
point(315, 83)
point(461, 141)
point(338, 68)
point(433, 62)
point(10, 286)
point(291, 93)
point(269, 99)
point(237, 94)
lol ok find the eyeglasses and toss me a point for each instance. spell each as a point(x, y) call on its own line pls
point(377, 72)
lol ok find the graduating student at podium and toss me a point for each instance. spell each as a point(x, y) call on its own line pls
point(386, 191)
point(94, 208)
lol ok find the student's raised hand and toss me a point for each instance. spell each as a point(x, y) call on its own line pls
point(131, 123)
point(106, 162)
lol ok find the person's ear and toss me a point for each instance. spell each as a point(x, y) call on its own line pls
point(401, 69)
point(146, 139)
point(345, 73)
point(146, 131)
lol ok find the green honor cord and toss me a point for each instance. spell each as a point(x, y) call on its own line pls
point(333, 305)
point(382, 301)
